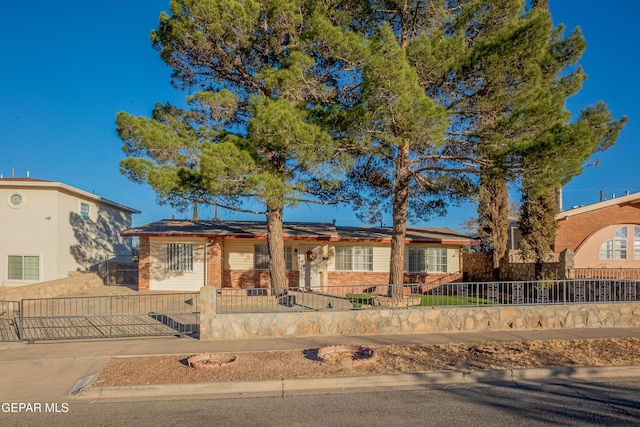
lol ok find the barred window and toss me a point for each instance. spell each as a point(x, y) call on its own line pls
point(354, 258)
point(179, 257)
point(23, 267)
point(261, 257)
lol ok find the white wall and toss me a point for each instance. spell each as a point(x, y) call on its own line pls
point(173, 280)
point(48, 224)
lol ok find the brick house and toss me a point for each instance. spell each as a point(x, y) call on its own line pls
point(602, 235)
point(185, 255)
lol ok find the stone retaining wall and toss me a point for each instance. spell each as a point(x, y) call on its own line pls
point(71, 285)
point(406, 321)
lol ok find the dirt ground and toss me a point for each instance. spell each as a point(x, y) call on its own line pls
point(392, 359)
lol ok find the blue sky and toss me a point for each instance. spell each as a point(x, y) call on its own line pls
point(68, 67)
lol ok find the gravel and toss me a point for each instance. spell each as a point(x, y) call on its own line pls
point(392, 359)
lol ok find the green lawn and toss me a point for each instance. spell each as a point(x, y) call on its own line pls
point(432, 300)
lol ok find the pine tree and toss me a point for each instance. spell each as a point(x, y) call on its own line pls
point(250, 132)
point(557, 149)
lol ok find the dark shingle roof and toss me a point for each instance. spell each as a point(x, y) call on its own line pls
point(292, 230)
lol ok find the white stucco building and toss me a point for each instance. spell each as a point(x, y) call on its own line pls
point(48, 229)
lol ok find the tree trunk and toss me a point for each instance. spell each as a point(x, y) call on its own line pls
point(400, 206)
point(493, 216)
point(275, 243)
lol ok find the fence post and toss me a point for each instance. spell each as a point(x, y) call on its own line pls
point(477, 294)
point(393, 296)
point(20, 322)
point(111, 315)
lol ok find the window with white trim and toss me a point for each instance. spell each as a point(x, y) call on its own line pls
point(261, 257)
point(23, 267)
point(425, 260)
point(437, 260)
point(179, 257)
point(84, 211)
point(617, 247)
point(354, 258)
point(636, 242)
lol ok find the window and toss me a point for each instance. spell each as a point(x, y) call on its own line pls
point(23, 267)
point(423, 260)
point(616, 248)
point(261, 257)
point(636, 242)
point(84, 211)
point(15, 200)
point(416, 260)
point(179, 257)
point(354, 258)
point(288, 257)
point(437, 260)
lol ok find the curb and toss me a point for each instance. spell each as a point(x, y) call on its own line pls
point(322, 385)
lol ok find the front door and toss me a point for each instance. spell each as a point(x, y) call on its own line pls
point(310, 266)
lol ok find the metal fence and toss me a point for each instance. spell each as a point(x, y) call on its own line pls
point(9, 323)
point(455, 294)
point(109, 316)
point(606, 273)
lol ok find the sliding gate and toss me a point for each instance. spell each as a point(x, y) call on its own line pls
point(109, 316)
point(9, 320)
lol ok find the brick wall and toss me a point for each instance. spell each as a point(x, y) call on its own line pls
point(144, 270)
point(215, 248)
point(260, 278)
point(254, 279)
point(575, 229)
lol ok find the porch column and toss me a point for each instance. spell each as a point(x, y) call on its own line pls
point(324, 275)
point(144, 265)
point(215, 247)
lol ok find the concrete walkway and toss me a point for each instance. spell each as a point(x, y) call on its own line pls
point(47, 371)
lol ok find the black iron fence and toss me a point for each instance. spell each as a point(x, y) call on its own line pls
point(106, 317)
point(455, 294)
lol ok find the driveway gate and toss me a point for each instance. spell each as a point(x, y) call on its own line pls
point(109, 316)
point(9, 320)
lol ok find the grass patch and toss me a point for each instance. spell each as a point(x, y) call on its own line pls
point(433, 300)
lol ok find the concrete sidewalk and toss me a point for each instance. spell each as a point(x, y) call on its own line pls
point(47, 371)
